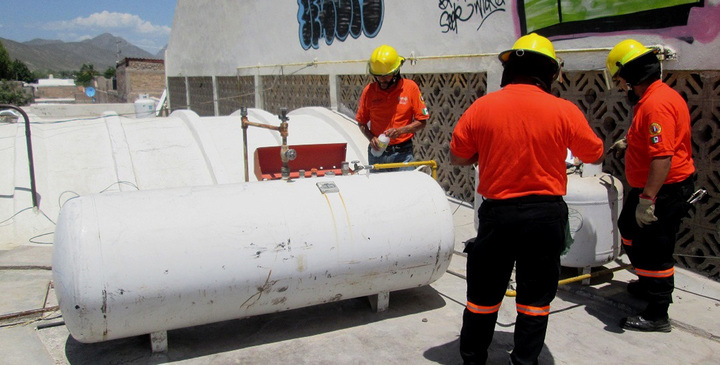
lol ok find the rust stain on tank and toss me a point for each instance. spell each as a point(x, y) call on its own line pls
point(265, 288)
point(332, 215)
point(347, 217)
point(103, 309)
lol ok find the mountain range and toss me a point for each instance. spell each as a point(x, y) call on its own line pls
point(56, 55)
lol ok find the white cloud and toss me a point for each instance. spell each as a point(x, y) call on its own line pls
point(148, 44)
point(72, 37)
point(111, 21)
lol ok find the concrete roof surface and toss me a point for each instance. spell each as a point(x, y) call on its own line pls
point(421, 325)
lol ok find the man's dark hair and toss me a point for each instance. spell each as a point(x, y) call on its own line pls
point(529, 68)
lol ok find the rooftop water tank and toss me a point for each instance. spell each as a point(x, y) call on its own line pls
point(132, 263)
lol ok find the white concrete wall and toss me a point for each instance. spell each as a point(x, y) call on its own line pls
point(77, 110)
point(227, 37)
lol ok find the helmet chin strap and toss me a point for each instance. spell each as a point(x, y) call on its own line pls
point(633, 98)
point(390, 83)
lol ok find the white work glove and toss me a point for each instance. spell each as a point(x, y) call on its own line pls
point(618, 148)
point(645, 211)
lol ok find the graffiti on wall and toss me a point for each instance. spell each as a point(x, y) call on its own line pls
point(456, 11)
point(564, 17)
point(329, 20)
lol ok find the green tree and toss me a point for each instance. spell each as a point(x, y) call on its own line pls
point(40, 74)
point(21, 72)
point(11, 93)
point(109, 73)
point(67, 74)
point(86, 75)
point(5, 64)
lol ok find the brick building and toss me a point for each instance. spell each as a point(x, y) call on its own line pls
point(137, 76)
point(52, 90)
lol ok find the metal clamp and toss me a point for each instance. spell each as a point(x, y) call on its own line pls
point(697, 196)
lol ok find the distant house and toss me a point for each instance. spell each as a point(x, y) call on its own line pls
point(133, 77)
point(137, 76)
point(52, 90)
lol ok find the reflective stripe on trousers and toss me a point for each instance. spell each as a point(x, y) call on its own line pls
point(533, 311)
point(655, 273)
point(482, 309)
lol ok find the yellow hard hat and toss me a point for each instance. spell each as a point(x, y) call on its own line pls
point(385, 61)
point(531, 43)
point(623, 53)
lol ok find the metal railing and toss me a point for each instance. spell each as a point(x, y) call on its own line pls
point(28, 142)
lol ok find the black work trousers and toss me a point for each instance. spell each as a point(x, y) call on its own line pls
point(527, 233)
point(650, 248)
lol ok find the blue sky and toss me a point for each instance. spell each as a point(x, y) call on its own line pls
point(145, 24)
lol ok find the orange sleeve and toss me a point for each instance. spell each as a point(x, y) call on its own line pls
point(421, 111)
point(584, 144)
point(363, 113)
point(462, 143)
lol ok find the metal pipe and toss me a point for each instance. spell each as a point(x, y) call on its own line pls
point(285, 169)
point(395, 165)
point(512, 293)
point(414, 59)
point(245, 122)
point(28, 312)
point(283, 129)
point(28, 143)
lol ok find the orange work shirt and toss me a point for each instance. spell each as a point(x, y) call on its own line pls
point(396, 107)
point(660, 127)
point(521, 135)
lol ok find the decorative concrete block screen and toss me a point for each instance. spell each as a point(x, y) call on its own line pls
point(201, 95)
point(246, 86)
point(177, 93)
point(698, 244)
point(610, 115)
point(228, 94)
point(294, 91)
point(446, 96)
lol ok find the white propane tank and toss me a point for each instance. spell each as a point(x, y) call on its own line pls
point(594, 201)
point(132, 263)
point(144, 107)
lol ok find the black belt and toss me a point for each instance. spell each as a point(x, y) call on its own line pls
point(527, 199)
point(674, 187)
point(402, 146)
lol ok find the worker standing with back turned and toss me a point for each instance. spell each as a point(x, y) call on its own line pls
point(391, 110)
point(519, 138)
point(659, 169)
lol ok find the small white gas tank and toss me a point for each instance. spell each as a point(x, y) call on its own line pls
point(594, 201)
point(140, 262)
point(144, 107)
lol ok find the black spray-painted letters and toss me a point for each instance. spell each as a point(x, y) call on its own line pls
point(336, 19)
point(455, 11)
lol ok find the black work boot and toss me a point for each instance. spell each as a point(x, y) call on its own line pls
point(640, 323)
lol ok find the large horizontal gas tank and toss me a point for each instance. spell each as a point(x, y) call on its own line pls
point(132, 263)
point(594, 201)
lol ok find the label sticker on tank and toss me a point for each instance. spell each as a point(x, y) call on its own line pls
point(327, 187)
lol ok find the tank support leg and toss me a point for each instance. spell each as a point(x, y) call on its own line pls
point(158, 340)
point(380, 301)
point(583, 271)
